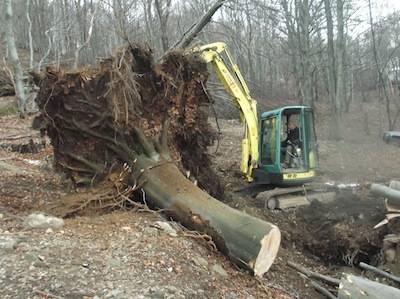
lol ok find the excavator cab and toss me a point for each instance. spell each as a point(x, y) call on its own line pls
point(288, 147)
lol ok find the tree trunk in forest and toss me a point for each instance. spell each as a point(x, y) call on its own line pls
point(299, 44)
point(148, 19)
point(28, 17)
point(16, 64)
point(149, 122)
point(87, 40)
point(163, 12)
point(340, 94)
point(292, 41)
point(304, 51)
point(47, 33)
point(381, 82)
point(332, 77)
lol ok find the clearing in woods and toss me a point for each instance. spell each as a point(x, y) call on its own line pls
point(125, 253)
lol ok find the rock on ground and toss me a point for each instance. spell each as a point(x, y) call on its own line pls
point(7, 243)
point(41, 221)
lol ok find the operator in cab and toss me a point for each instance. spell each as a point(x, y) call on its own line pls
point(292, 140)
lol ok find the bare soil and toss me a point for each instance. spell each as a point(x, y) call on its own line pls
point(333, 238)
point(117, 255)
point(123, 254)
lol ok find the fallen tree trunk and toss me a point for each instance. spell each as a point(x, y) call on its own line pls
point(354, 287)
point(150, 123)
point(388, 192)
point(249, 241)
point(380, 272)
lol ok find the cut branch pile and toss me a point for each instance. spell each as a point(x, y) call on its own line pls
point(151, 120)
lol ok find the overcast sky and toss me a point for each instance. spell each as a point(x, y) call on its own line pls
point(380, 8)
point(387, 6)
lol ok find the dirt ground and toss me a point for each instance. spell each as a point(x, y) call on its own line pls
point(118, 255)
point(125, 255)
point(318, 236)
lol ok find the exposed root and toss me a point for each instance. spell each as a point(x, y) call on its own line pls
point(126, 108)
point(208, 241)
point(113, 193)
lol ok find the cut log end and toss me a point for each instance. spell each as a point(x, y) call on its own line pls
point(268, 251)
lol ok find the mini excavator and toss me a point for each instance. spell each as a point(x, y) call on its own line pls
point(268, 158)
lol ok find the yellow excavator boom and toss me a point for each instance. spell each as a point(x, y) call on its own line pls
point(230, 76)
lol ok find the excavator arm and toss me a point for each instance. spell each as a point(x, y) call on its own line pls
point(229, 74)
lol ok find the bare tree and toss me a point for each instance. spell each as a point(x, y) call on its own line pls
point(28, 17)
point(16, 64)
point(383, 92)
point(148, 19)
point(336, 71)
point(301, 23)
point(47, 33)
point(88, 37)
point(163, 8)
point(340, 71)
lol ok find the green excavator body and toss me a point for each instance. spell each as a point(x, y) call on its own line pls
point(278, 164)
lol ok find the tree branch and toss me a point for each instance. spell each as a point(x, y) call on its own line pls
point(195, 29)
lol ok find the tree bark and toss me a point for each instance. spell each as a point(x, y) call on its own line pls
point(16, 64)
point(305, 52)
point(248, 241)
point(340, 94)
point(355, 287)
point(332, 82)
point(28, 17)
point(163, 15)
point(389, 193)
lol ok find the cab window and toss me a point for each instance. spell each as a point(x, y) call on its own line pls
point(268, 143)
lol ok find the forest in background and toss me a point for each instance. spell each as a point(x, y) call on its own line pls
point(331, 52)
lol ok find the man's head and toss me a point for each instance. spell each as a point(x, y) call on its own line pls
point(291, 125)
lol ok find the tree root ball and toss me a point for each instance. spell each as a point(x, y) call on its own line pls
point(126, 92)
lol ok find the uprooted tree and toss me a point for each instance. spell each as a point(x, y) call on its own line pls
point(135, 128)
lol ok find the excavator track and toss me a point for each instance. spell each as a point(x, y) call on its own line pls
point(292, 197)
